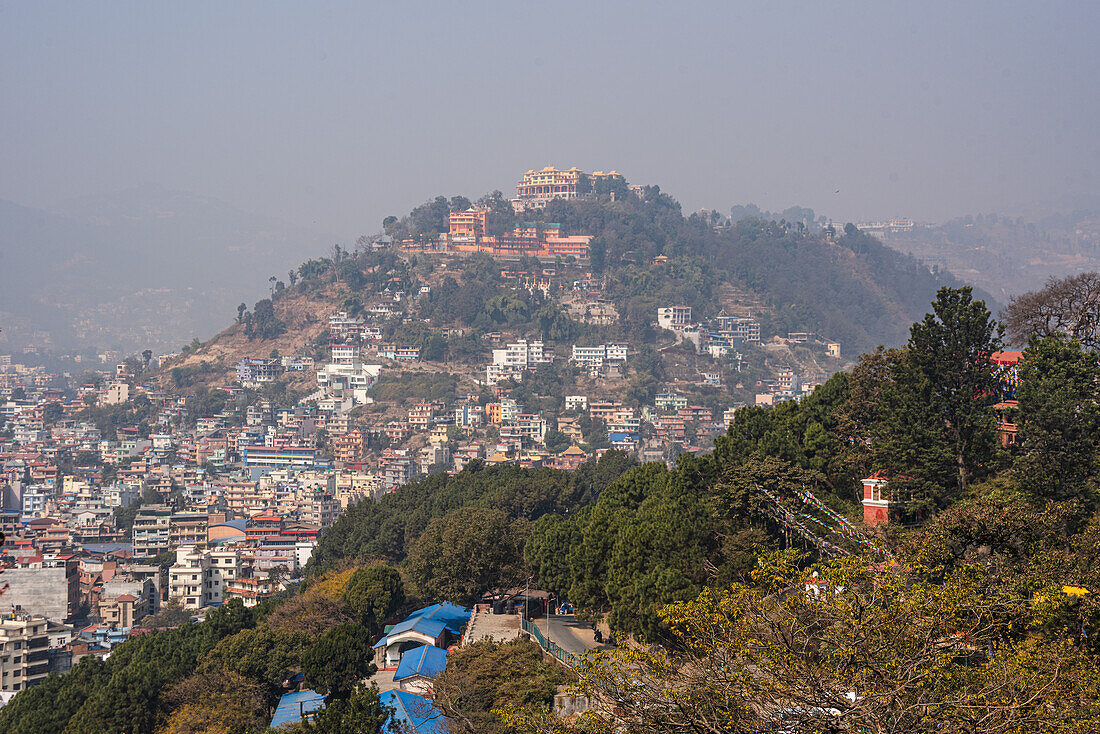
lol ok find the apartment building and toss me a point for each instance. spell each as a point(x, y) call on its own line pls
point(187, 578)
point(674, 317)
point(514, 359)
point(152, 531)
point(350, 447)
point(187, 528)
point(24, 651)
point(199, 578)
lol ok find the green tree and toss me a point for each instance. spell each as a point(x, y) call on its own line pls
point(547, 552)
point(485, 676)
point(556, 441)
point(52, 413)
point(938, 428)
point(1060, 430)
point(434, 348)
point(224, 701)
point(375, 593)
point(263, 323)
point(950, 351)
point(360, 713)
point(266, 656)
point(337, 662)
point(466, 552)
point(845, 647)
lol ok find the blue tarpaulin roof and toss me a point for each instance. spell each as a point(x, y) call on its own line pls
point(454, 616)
point(416, 711)
point(426, 660)
point(431, 621)
point(293, 705)
point(430, 627)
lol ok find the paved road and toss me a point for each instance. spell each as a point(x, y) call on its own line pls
point(571, 635)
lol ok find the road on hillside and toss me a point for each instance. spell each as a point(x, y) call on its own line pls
point(571, 635)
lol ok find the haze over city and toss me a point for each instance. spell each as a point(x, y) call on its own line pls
point(559, 368)
point(334, 115)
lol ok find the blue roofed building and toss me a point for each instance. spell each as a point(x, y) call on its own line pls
point(418, 668)
point(440, 625)
point(293, 707)
point(452, 615)
point(625, 441)
point(415, 712)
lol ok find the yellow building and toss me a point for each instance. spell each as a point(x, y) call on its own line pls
point(549, 183)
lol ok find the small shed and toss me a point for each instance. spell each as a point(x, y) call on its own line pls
point(418, 668)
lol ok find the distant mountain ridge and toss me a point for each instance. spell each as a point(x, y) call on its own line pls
point(147, 267)
point(1007, 256)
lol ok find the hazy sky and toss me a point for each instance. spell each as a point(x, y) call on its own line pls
point(333, 115)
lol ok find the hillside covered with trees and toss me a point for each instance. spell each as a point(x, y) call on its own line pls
point(843, 285)
point(973, 610)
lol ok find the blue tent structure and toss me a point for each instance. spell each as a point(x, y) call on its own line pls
point(416, 712)
point(427, 661)
point(293, 706)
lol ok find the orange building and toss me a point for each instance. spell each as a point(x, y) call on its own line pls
point(468, 232)
point(350, 447)
point(576, 245)
point(470, 223)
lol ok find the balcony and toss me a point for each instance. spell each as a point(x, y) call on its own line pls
point(40, 669)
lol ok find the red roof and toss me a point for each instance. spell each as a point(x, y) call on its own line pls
point(1007, 357)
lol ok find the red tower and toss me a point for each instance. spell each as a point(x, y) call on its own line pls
point(876, 503)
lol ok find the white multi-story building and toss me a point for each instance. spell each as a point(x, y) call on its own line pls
point(738, 327)
point(116, 392)
point(576, 402)
point(509, 410)
point(525, 427)
point(346, 375)
point(318, 508)
point(623, 421)
point(674, 317)
point(617, 352)
point(468, 416)
point(591, 357)
point(595, 357)
point(187, 578)
point(199, 578)
point(34, 501)
point(514, 359)
point(152, 530)
point(345, 354)
point(224, 568)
